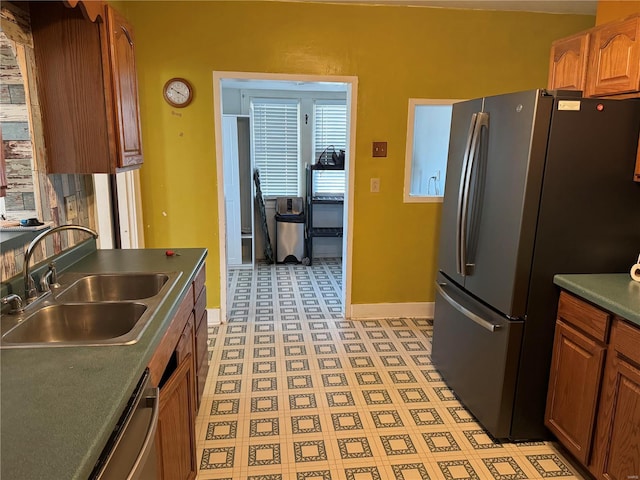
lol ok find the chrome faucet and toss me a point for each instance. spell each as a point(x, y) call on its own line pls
point(49, 279)
point(15, 301)
point(30, 292)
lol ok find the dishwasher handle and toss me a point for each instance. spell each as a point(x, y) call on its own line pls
point(130, 454)
point(152, 400)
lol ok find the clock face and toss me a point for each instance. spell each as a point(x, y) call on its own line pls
point(178, 92)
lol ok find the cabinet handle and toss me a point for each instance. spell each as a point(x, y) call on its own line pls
point(127, 34)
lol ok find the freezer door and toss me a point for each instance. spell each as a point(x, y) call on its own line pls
point(506, 183)
point(459, 144)
point(476, 351)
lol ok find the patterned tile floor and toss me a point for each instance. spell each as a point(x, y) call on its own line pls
point(296, 392)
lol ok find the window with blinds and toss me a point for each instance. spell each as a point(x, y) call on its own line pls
point(276, 144)
point(329, 128)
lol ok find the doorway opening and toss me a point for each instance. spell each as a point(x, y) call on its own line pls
point(284, 126)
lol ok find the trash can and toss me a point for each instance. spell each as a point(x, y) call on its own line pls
point(290, 218)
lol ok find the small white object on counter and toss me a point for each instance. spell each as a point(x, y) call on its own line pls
point(635, 271)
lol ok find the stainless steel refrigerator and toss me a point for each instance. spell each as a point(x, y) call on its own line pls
point(537, 183)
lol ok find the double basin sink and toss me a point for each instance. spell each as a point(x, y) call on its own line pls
point(90, 310)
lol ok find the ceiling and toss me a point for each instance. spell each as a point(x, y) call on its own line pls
point(583, 7)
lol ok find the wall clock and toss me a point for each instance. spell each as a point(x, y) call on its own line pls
point(178, 92)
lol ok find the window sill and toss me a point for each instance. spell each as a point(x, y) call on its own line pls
point(423, 199)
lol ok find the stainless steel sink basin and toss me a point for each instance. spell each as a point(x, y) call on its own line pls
point(82, 323)
point(89, 310)
point(114, 287)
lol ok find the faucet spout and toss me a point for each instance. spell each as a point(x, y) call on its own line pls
point(30, 291)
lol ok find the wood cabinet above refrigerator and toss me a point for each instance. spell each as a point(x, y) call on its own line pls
point(568, 62)
point(602, 62)
point(87, 87)
point(614, 59)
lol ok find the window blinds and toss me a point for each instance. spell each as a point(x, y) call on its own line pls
point(329, 128)
point(276, 143)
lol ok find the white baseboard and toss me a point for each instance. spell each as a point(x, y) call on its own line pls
point(213, 316)
point(363, 311)
point(392, 310)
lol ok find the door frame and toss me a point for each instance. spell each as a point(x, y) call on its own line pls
point(347, 242)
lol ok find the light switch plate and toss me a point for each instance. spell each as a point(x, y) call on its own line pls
point(71, 207)
point(379, 149)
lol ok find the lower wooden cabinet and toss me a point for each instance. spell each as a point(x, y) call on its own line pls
point(617, 442)
point(201, 334)
point(573, 389)
point(593, 405)
point(174, 368)
point(175, 439)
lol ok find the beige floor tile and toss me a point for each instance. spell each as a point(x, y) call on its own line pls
point(295, 392)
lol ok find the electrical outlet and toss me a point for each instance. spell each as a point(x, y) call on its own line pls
point(375, 185)
point(71, 207)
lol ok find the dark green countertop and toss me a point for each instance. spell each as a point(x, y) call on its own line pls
point(59, 405)
point(10, 240)
point(614, 292)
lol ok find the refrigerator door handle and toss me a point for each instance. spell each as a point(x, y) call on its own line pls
point(461, 199)
point(482, 120)
point(492, 327)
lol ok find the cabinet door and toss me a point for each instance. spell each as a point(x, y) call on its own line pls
point(76, 116)
point(125, 89)
point(176, 431)
point(202, 359)
point(568, 63)
point(614, 60)
point(186, 349)
point(574, 384)
point(636, 175)
point(616, 453)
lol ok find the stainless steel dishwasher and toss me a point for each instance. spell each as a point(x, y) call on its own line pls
point(130, 452)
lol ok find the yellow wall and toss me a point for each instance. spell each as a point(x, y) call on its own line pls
point(609, 10)
point(396, 53)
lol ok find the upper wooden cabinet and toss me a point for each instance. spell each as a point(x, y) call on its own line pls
point(603, 61)
point(88, 89)
point(125, 89)
point(91, 8)
point(568, 63)
point(614, 60)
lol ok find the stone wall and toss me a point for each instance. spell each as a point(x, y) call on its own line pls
point(23, 143)
point(16, 135)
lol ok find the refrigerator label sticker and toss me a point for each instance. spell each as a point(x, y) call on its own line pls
point(569, 105)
